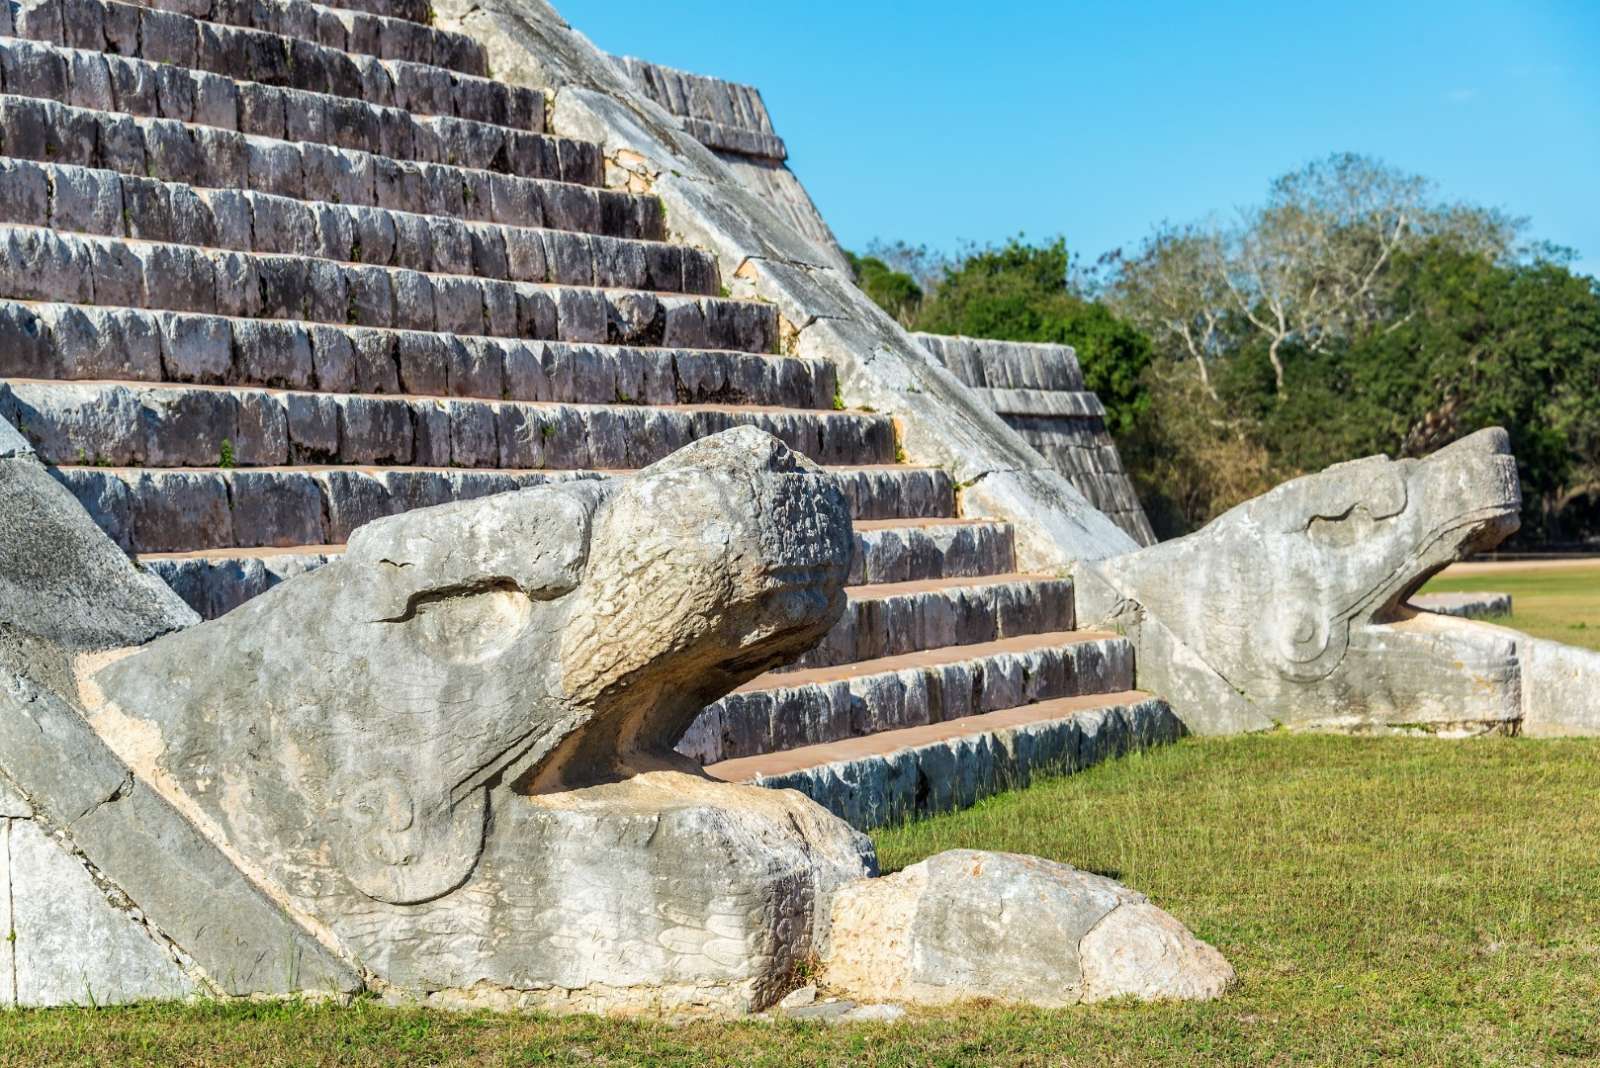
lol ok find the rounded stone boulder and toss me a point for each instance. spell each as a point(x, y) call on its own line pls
point(968, 924)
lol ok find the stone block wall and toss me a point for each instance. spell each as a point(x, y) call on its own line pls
point(1038, 390)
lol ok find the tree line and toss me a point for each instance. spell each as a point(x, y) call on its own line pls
point(1350, 312)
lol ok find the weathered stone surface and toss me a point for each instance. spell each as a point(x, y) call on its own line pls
point(62, 581)
point(466, 689)
point(894, 619)
point(1291, 609)
point(8, 967)
point(73, 944)
point(12, 444)
point(967, 924)
point(13, 805)
point(1559, 684)
point(732, 121)
point(68, 590)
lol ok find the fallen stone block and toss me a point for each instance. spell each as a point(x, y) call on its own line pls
point(968, 925)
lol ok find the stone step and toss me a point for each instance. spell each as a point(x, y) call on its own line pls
point(165, 426)
point(74, 342)
point(904, 774)
point(165, 150)
point(103, 93)
point(410, 10)
point(127, 29)
point(894, 619)
point(38, 264)
point(98, 202)
point(893, 550)
point(215, 581)
point(793, 709)
point(227, 509)
point(359, 32)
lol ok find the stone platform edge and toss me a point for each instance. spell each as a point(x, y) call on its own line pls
point(914, 781)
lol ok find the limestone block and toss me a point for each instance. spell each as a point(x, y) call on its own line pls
point(104, 343)
point(76, 424)
point(106, 498)
point(33, 70)
point(187, 427)
point(13, 806)
point(353, 498)
point(374, 430)
point(195, 348)
point(967, 925)
point(73, 945)
point(1560, 688)
point(274, 508)
point(84, 200)
point(44, 265)
point(24, 193)
point(178, 511)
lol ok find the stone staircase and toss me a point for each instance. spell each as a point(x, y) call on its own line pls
point(271, 270)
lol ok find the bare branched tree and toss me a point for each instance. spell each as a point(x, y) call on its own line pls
point(1175, 292)
point(1305, 268)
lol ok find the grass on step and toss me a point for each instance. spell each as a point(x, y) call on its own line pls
point(1558, 603)
point(1385, 901)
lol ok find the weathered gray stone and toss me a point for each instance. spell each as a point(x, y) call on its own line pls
point(65, 589)
point(850, 702)
point(894, 620)
point(1560, 688)
point(468, 660)
point(12, 444)
point(12, 806)
point(967, 925)
point(61, 580)
point(1291, 609)
point(73, 944)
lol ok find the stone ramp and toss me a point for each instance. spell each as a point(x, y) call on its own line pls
point(271, 271)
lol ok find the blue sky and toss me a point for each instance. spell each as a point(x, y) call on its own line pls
point(941, 122)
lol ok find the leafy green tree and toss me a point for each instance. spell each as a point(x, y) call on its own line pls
point(894, 291)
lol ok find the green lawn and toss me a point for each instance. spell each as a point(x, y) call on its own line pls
point(1559, 603)
point(1385, 901)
